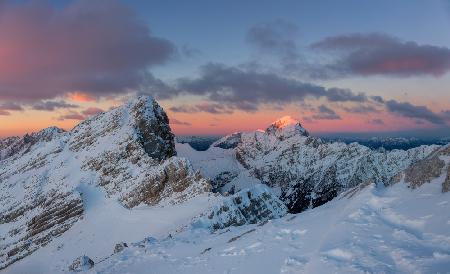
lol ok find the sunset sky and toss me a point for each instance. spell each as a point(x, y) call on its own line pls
point(223, 66)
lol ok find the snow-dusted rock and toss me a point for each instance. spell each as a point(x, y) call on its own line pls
point(81, 263)
point(432, 167)
point(128, 153)
point(248, 206)
point(19, 145)
point(120, 247)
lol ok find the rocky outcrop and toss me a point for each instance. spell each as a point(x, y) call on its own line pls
point(231, 141)
point(248, 206)
point(434, 166)
point(120, 247)
point(82, 263)
point(128, 152)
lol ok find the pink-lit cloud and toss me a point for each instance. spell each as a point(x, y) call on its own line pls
point(381, 54)
point(97, 47)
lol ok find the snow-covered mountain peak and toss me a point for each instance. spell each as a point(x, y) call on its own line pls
point(286, 127)
point(285, 121)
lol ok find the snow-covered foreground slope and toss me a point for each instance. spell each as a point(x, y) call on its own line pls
point(106, 223)
point(365, 230)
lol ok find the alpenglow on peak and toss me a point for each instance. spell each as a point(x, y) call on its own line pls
point(288, 126)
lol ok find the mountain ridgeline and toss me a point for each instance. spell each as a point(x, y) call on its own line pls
point(55, 185)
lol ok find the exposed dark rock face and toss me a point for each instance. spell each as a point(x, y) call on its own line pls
point(154, 134)
point(249, 206)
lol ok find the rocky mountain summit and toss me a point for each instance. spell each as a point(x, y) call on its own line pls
point(128, 153)
point(304, 170)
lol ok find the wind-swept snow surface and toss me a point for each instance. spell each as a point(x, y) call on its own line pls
point(105, 223)
point(366, 230)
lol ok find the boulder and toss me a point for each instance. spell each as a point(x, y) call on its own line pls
point(81, 263)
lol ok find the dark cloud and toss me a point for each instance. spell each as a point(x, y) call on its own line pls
point(381, 54)
point(413, 111)
point(212, 108)
point(99, 47)
point(52, 105)
point(275, 38)
point(377, 99)
point(157, 88)
point(184, 109)
point(376, 122)
point(4, 112)
point(326, 113)
point(446, 114)
point(7, 107)
point(344, 95)
point(178, 122)
point(361, 109)
point(245, 90)
point(11, 106)
point(189, 51)
point(72, 116)
point(83, 115)
point(92, 111)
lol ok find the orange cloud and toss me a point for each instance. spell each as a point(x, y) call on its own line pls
point(80, 97)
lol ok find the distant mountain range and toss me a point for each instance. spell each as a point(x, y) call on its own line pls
point(202, 143)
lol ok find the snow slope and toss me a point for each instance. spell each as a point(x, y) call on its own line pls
point(368, 229)
point(105, 223)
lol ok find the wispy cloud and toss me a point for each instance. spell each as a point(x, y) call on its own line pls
point(174, 121)
point(52, 105)
point(414, 111)
point(325, 113)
